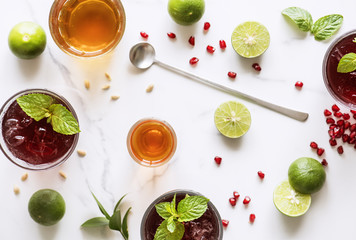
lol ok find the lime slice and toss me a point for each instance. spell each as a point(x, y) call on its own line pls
point(290, 202)
point(232, 119)
point(250, 39)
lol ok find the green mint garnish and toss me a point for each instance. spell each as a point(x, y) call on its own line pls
point(322, 29)
point(299, 16)
point(114, 221)
point(347, 63)
point(189, 209)
point(39, 106)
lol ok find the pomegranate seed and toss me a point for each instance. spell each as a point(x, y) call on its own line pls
point(314, 145)
point(252, 217)
point(298, 84)
point(331, 133)
point(193, 60)
point(231, 74)
point(232, 201)
point(338, 114)
point(218, 160)
point(210, 49)
point(352, 140)
point(257, 67)
point(341, 123)
point(332, 126)
point(320, 151)
point(144, 35)
point(345, 138)
point(246, 200)
point(236, 195)
point(335, 108)
point(353, 127)
point(171, 35)
point(222, 44)
point(330, 120)
point(206, 26)
point(354, 116)
point(261, 174)
point(332, 142)
point(340, 149)
point(192, 40)
point(225, 223)
point(353, 111)
point(324, 162)
point(346, 116)
point(327, 113)
point(338, 132)
point(353, 134)
point(347, 124)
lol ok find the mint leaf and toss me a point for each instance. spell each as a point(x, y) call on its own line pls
point(191, 208)
point(96, 222)
point(300, 17)
point(35, 105)
point(171, 224)
point(173, 205)
point(326, 26)
point(347, 63)
point(115, 221)
point(62, 120)
point(164, 210)
point(162, 232)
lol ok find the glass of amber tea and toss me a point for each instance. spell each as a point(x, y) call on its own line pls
point(87, 28)
point(151, 142)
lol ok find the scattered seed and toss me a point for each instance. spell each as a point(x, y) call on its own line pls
point(108, 77)
point(149, 88)
point(261, 174)
point(324, 162)
point(62, 174)
point(193, 60)
point(222, 44)
point(225, 222)
point(314, 145)
point(106, 87)
point(210, 49)
point(236, 195)
point(24, 177)
point(252, 217)
point(232, 75)
point(257, 67)
point(16, 190)
point(81, 153)
point(191, 40)
point(320, 151)
point(232, 201)
point(206, 26)
point(115, 97)
point(299, 84)
point(171, 35)
point(246, 200)
point(87, 84)
point(144, 35)
point(335, 108)
point(217, 160)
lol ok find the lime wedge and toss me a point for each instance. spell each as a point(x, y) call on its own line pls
point(232, 119)
point(250, 39)
point(290, 202)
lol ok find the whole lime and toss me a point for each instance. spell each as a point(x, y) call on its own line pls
point(306, 175)
point(186, 12)
point(27, 40)
point(46, 207)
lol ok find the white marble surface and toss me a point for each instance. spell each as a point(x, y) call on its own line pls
point(271, 144)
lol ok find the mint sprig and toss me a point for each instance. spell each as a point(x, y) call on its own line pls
point(347, 63)
point(322, 29)
point(114, 221)
point(188, 209)
point(39, 106)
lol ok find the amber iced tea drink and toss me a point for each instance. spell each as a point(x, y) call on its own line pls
point(87, 28)
point(151, 142)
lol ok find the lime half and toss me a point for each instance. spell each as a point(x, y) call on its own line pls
point(186, 12)
point(250, 39)
point(290, 202)
point(232, 119)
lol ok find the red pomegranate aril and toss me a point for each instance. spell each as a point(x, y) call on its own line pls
point(340, 123)
point(193, 61)
point(225, 222)
point(222, 44)
point(232, 201)
point(257, 67)
point(144, 35)
point(327, 113)
point(236, 195)
point(210, 49)
point(171, 35)
point(330, 120)
point(353, 111)
point(246, 200)
point(345, 138)
point(338, 114)
point(353, 127)
point(347, 125)
point(261, 174)
point(231, 74)
point(354, 116)
point(252, 217)
point(340, 149)
point(352, 140)
point(206, 26)
point(191, 40)
point(332, 126)
point(324, 162)
point(320, 151)
point(335, 108)
point(353, 134)
point(314, 145)
point(338, 132)
point(217, 160)
point(332, 142)
point(331, 133)
point(346, 116)
point(298, 84)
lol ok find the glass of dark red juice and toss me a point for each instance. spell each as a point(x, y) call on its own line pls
point(34, 144)
point(342, 86)
point(207, 227)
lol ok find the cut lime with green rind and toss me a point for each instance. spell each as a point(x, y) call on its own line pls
point(290, 202)
point(232, 119)
point(250, 39)
point(186, 12)
point(306, 175)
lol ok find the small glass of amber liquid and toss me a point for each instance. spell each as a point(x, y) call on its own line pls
point(87, 28)
point(151, 142)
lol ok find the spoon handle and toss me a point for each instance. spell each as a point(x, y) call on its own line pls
point(301, 116)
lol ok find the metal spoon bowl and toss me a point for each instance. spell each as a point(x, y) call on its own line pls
point(143, 56)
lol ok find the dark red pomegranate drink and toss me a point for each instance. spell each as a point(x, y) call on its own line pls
point(33, 144)
point(342, 86)
point(207, 227)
